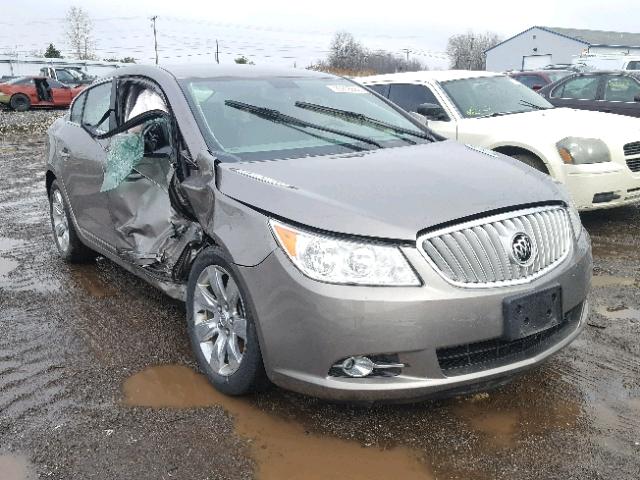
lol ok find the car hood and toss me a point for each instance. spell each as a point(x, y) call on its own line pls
point(559, 123)
point(388, 193)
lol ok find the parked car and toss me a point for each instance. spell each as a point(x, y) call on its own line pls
point(536, 79)
point(596, 155)
point(72, 76)
point(22, 93)
point(321, 237)
point(611, 92)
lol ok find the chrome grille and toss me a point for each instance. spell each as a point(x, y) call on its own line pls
point(633, 150)
point(480, 253)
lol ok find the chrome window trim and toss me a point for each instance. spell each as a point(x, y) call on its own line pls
point(487, 220)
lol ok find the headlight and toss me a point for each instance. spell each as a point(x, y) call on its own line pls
point(574, 218)
point(334, 260)
point(577, 151)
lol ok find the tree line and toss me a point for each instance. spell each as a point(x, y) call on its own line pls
point(346, 56)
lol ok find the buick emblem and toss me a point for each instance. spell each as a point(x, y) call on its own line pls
point(522, 249)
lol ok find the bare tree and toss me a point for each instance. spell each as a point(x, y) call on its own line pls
point(347, 56)
point(79, 32)
point(467, 51)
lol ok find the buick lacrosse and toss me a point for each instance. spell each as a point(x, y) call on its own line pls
point(322, 238)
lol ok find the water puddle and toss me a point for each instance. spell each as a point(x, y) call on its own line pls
point(281, 447)
point(87, 277)
point(619, 313)
point(7, 245)
point(15, 467)
point(504, 426)
point(612, 281)
point(7, 266)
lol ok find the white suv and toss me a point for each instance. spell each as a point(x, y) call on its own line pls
point(596, 155)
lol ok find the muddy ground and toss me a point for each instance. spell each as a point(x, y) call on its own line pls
point(97, 380)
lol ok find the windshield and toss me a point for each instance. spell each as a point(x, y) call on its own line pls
point(492, 96)
point(277, 117)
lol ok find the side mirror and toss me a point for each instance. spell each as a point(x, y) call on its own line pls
point(536, 87)
point(432, 111)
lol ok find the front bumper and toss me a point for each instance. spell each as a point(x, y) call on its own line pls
point(611, 184)
point(4, 98)
point(306, 326)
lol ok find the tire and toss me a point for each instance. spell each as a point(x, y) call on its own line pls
point(212, 329)
point(69, 246)
point(20, 102)
point(532, 161)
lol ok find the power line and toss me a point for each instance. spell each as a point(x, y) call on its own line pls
point(155, 37)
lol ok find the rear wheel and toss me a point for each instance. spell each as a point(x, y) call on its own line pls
point(222, 327)
point(532, 161)
point(65, 237)
point(20, 102)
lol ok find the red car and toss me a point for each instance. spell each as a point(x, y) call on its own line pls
point(535, 80)
point(22, 93)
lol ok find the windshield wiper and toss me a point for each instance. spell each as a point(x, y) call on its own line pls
point(279, 117)
point(362, 119)
point(526, 103)
point(496, 114)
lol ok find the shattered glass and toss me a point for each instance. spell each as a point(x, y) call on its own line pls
point(125, 153)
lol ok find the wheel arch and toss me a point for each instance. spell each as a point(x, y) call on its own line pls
point(49, 178)
point(511, 150)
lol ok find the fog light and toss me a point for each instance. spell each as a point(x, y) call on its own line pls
point(357, 366)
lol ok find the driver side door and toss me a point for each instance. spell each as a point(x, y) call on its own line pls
point(141, 213)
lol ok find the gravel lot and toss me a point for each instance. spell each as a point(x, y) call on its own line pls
point(97, 380)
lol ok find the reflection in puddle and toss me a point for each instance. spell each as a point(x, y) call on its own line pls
point(503, 427)
point(87, 277)
point(619, 313)
point(612, 281)
point(14, 467)
point(281, 447)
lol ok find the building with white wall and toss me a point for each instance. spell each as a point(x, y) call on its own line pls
point(539, 46)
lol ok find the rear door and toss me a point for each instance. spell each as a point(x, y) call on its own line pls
point(619, 93)
point(83, 160)
point(580, 92)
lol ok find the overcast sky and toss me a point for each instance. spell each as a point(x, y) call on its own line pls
point(287, 32)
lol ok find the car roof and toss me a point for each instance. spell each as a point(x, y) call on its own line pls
point(437, 75)
point(540, 72)
point(184, 71)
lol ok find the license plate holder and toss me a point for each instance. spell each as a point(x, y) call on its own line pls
point(531, 313)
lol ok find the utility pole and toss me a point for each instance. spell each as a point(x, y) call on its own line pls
point(155, 37)
point(217, 52)
point(407, 51)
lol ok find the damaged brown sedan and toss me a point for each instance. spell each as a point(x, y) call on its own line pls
point(321, 237)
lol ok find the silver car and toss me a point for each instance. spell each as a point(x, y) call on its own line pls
point(321, 238)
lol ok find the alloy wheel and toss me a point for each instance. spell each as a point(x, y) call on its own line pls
point(220, 324)
point(59, 221)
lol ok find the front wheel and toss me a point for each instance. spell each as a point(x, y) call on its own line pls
point(65, 236)
point(222, 326)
